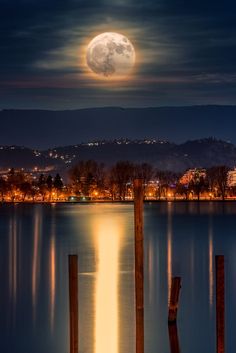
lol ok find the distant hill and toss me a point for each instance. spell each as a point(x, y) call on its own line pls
point(22, 157)
point(162, 154)
point(42, 129)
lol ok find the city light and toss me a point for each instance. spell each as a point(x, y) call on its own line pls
point(36, 185)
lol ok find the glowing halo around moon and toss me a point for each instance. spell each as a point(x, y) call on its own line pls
point(110, 55)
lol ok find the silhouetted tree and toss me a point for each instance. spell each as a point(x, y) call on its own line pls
point(49, 182)
point(182, 189)
point(121, 174)
point(145, 171)
point(87, 176)
point(25, 188)
point(58, 183)
point(41, 180)
point(42, 186)
point(217, 178)
point(198, 185)
point(14, 180)
point(166, 179)
point(3, 188)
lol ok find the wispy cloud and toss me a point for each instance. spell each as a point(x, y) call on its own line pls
point(179, 46)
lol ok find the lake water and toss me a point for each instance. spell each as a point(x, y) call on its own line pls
point(180, 239)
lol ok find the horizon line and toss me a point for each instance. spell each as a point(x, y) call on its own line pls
point(120, 107)
point(212, 138)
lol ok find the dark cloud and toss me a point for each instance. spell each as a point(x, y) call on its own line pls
point(186, 52)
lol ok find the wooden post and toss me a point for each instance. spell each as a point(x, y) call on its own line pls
point(174, 299)
point(220, 304)
point(173, 338)
point(139, 259)
point(73, 296)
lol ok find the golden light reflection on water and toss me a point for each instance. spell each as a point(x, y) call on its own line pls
point(150, 271)
point(52, 278)
point(106, 335)
point(13, 259)
point(36, 260)
point(169, 249)
point(211, 278)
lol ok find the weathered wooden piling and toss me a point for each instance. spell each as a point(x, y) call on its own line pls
point(174, 299)
point(220, 304)
point(73, 297)
point(139, 260)
point(173, 338)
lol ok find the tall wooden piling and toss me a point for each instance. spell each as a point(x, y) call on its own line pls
point(220, 304)
point(173, 338)
point(139, 259)
point(174, 299)
point(73, 297)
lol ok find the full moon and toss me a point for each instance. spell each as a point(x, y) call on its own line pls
point(110, 55)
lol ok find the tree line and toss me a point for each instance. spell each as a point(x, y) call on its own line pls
point(18, 186)
point(95, 180)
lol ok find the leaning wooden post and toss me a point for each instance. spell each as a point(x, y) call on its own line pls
point(173, 338)
point(220, 304)
point(174, 299)
point(139, 259)
point(73, 296)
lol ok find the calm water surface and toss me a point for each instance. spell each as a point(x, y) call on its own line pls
point(180, 239)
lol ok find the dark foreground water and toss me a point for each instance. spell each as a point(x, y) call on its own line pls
point(180, 239)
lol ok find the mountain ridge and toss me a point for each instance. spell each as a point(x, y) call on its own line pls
point(42, 129)
point(125, 108)
point(164, 155)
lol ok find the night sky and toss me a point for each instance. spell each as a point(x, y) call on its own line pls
point(186, 53)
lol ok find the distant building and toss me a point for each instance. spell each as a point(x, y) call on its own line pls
point(191, 174)
point(231, 178)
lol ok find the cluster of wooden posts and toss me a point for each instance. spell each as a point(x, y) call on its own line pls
point(220, 309)
point(139, 291)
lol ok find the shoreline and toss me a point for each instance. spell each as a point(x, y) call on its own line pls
point(112, 202)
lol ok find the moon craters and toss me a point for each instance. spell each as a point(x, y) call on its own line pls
point(110, 54)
